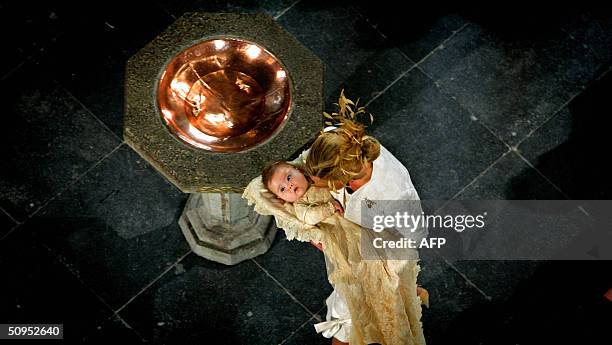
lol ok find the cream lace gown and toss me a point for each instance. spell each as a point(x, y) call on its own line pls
point(380, 294)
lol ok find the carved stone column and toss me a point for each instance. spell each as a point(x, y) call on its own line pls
point(221, 227)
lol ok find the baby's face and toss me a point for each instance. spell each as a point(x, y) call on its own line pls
point(288, 183)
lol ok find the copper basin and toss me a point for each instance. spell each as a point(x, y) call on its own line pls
point(224, 95)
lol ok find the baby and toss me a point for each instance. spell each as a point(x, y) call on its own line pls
point(312, 204)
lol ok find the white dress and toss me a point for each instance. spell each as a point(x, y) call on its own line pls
point(378, 294)
point(390, 180)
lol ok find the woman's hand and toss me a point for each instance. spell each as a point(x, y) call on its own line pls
point(276, 201)
point(319, 246)
point(338, 207)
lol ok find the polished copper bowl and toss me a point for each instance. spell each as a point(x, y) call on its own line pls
point(224, 95)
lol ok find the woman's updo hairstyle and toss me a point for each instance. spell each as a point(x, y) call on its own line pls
point(339, 155)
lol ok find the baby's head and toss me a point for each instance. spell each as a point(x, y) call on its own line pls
point(284, 180)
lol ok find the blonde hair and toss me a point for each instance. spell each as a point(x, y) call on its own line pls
point(339, 155)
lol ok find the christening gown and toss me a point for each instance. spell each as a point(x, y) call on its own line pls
point(380, 293)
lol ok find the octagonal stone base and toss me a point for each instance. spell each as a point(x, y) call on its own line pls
point(190, 168)
point(221, 227)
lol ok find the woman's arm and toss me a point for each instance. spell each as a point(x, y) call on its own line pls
point(313, 214)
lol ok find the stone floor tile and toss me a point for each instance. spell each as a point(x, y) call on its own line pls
point(52, 140)
point(202, 300)
point(116, 229)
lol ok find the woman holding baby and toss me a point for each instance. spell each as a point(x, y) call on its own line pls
point(354, 168)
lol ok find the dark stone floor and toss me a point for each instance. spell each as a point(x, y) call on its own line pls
point(493, 103)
